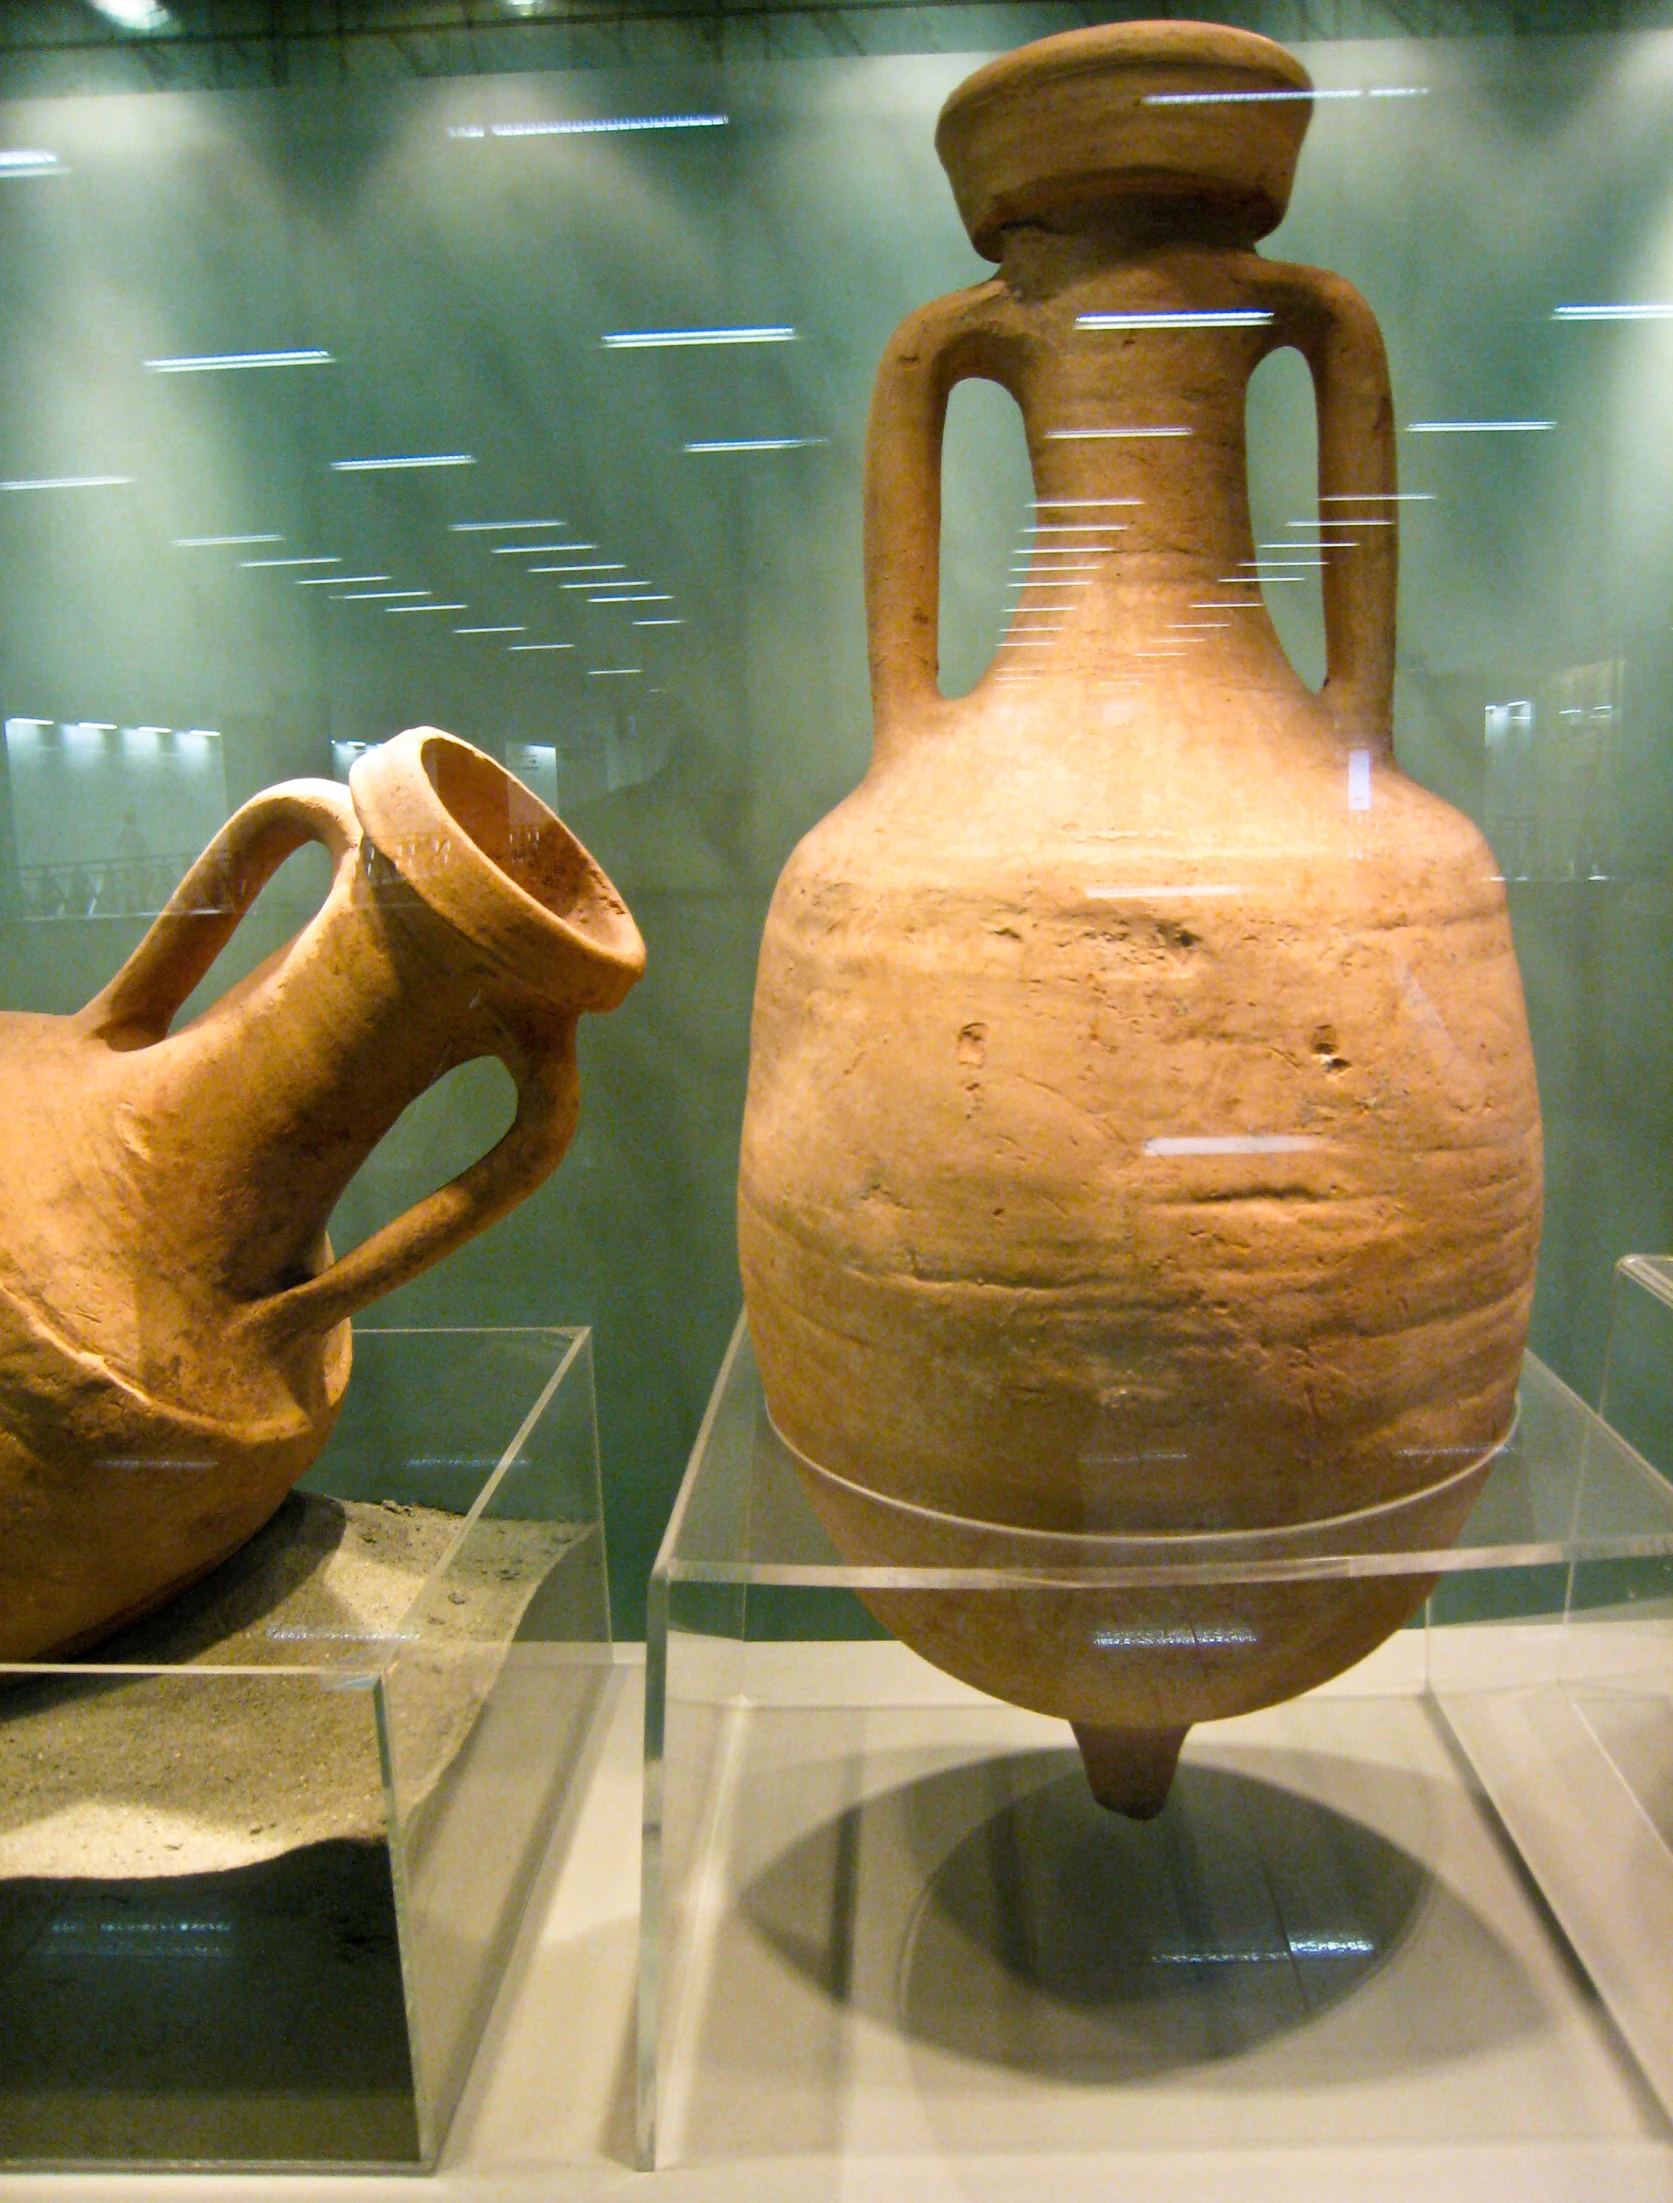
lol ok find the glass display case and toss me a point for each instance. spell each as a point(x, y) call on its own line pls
point(506, 369)
point(531, 293)
point(262, 1857)
point(883, 1914)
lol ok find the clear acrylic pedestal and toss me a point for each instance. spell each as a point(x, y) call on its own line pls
point(262, 1857)
point(883, 1917)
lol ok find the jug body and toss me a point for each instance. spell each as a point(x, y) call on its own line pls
point(1142, 1139)
point(174, 1335)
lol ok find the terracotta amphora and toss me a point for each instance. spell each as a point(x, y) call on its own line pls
point(174, 1335)
point(1142, 1154)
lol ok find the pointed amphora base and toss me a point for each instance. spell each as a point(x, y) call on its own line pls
point(1130, 1770)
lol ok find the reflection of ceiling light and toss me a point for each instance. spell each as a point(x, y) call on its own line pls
point(418, 459)
point(1227, 317)
point(588, 127)
point(71, 482)
point(1584, 313)
point(24, 161)
point(639, 340)
point(210, 363)
point(135, 15)
point(491, 527)
point(757, 443)
point(1475, 428)
point(220, 542)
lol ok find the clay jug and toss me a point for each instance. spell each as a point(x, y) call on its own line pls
point(174, 1335)
point(1142, 1144)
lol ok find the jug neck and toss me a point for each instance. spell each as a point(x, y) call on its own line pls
point(1147, 327)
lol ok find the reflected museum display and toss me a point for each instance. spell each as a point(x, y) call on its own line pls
point(1142, 1137)
point(174, 1334)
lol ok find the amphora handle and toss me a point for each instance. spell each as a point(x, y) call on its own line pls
point(966, 336)
point(1335, 331)
point(141, 1002)
point(200, 917)
point(548, 1105)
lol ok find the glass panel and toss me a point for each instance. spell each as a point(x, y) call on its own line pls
point(261, 1861)
point(827, 1822)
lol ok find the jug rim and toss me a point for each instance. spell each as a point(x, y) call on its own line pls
point(585, 955)
point(1159, 110)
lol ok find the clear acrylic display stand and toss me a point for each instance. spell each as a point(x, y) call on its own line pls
point(883, 1916)
point(262, 1857)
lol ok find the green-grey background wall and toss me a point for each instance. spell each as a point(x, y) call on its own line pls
point(463, 282)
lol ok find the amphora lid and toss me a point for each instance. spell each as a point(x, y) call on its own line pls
point(1159, 110)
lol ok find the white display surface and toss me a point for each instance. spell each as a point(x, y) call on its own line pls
point(1482, 2024)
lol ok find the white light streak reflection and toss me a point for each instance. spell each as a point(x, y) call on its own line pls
point(1177, 1637)
point(1379, 497)
point(336, 581)
point(501, 527)
point(542, 646)
point(490, 631)
point(1612, 313)
point(1244, 99)
point(71, 482)
point(659, 623)
point(1477, 428)
point(1234, 1143)
point(602, 566)
point(1080, 504)
point(396, 610)
point(22, 160)
point(645, 340)
point(1230, 317)
point(412, 459)
point(214, 363)
point(611, 672)
point(250, 563)
point(536, 550)
point(637, 597)
point(220, 542)
point(586, 128)
point(1344, 520)
point(757, 443)
point(1109, 435)
point(376, 596)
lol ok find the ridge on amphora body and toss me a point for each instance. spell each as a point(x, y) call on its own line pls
point(1141, 1164)
point(174, 1334)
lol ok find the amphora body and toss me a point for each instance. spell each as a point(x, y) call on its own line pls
point(1142, 1154)
point(174, 1336)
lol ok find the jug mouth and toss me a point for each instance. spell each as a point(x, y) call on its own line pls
point(489, 857)
point(1184, 111)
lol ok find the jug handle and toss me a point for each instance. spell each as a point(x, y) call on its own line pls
point(199, 918)
point(1336, 332)
point(543, 1068)
point(950, 341)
